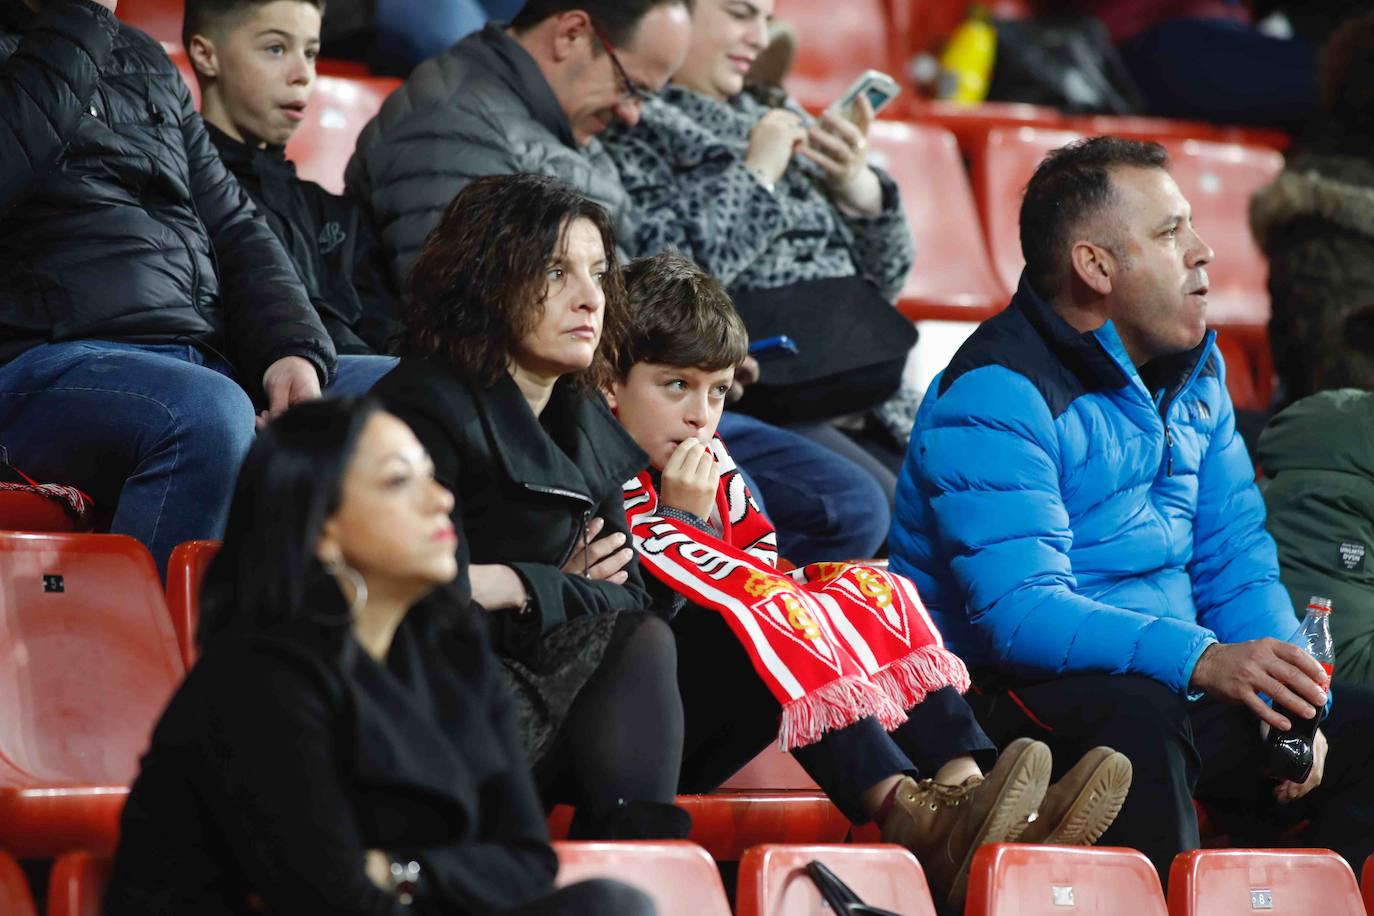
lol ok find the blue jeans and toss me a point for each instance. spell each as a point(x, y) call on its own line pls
point(157, 431)
point(824, 506)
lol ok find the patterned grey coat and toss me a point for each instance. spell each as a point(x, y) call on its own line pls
point(683, 167)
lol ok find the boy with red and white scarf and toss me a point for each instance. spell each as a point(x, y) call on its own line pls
point(837, 661)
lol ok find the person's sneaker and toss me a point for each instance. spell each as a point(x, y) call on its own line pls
point(943, 825)
point(1080, 807)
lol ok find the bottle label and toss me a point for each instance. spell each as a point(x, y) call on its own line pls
point(1352, 555)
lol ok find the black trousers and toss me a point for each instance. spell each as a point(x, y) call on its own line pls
point(1205, 750)
point(730, 716)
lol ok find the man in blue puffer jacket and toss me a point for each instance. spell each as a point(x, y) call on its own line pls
point(1080, 516)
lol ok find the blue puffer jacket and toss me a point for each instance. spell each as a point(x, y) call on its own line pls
point(1061, 514)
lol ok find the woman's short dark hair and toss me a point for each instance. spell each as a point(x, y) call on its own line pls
point(480, 283)
point(1071, 184)
point(680, 316)
point(290, 483)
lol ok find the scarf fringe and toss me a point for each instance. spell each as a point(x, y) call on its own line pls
point(908, 679)
point(841, 702)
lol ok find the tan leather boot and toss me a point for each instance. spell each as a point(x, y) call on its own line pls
point(1080, 807)
point(943, 825)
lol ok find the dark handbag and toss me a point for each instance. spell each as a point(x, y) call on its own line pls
point(837, 894)
point(851, 348)
point(1066, 62)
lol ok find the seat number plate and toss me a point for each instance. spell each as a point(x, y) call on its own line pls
point(1262, 900)
point(1061, 894)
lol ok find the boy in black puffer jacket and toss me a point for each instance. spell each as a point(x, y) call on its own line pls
point(144, 304)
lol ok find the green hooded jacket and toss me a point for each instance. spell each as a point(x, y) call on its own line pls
point(1318, 460)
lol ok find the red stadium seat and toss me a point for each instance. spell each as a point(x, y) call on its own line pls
point(88, 659)
point(1241, 380)
point(1002, 165)
point(773, 770)
point(1135, 127)
point(76, 886)
point(773, 880)
point(1277, 882)
point(924, 26)
point(679, 876)
point(15, 899)
point(159, 18)
point(953, 277)
point(1011, 879)
point(185, 573)
point(1218, 179)
point(1367, 883)
point(834, 46)
point(338, 109)
point(970, 123)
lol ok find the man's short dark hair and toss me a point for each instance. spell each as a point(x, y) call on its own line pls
point(618, 19)
point(203, 17)
point(1073, 183)
point(680, 316)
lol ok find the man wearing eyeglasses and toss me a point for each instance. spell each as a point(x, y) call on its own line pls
point(528, 97)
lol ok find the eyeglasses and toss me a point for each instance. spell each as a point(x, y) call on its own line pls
point(630, 91)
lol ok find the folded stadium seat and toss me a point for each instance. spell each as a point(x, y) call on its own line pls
point(1002, 164)
point(1281, 882)
point(773, 880)
point(1240, 374)
point(185, 573)
point(1367, 884)
point(76, 885)
point(953, 277)
point(1014, 879)
point(772, 769)
point(159, 18)
point(1218, 179)
point(833, 49)
point(88, 659)
point(15, 899)
point(1136, 127)
point(338, 109)
point(679, 876)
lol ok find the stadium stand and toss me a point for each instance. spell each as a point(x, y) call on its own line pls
point(338, 109)
point(76, 885)
point(1009, 879)
point(185, 573)
point(15, 899)
point(1281, 882)
point(679, 876)
point(773, 880)
point(88, 659)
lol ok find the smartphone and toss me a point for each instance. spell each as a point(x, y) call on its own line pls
point(874, 85)
point(781, 345)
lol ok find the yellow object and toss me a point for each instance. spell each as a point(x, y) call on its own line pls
point(967, 60)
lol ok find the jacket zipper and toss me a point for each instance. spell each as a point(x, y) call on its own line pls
point(582, 526)
point(1168, 405)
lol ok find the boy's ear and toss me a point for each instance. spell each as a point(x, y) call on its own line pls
point(203, 57)
point(610, 391)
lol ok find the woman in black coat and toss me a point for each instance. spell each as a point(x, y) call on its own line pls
point(345, 744)
point(516, 302)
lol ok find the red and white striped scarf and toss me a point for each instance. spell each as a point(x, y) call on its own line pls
point(834, 641)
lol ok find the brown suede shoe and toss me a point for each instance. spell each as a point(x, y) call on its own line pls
point(1080, 807)
point(943, 825)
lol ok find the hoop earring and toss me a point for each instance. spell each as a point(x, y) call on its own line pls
point(337, 568)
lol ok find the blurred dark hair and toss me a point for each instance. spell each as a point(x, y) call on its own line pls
point(205, 17)
point(1071, 184)
point(480, 282)
point(680, 316)
point(618, 19)
point(1347, 72)
point(290, 483)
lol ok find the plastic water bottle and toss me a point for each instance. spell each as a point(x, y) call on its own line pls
point(1288, 755)
point(966, 64)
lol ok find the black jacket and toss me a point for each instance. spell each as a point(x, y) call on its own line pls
point(117, 219)
point(286, 755)
point(524, 487)
point(332, 245)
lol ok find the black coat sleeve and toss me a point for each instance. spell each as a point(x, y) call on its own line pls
point(268, 311)
point(497, 876)
point(269, 774)
point(45, 90)
point(380, 322)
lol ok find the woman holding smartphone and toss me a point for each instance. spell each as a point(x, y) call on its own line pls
point(346, 743)
point(771, 201)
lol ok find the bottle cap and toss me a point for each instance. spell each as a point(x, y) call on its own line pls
point(1322, 605)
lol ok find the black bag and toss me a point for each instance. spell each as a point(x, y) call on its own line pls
point(851, 348)
point(1066, 62)
point(837, 894)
